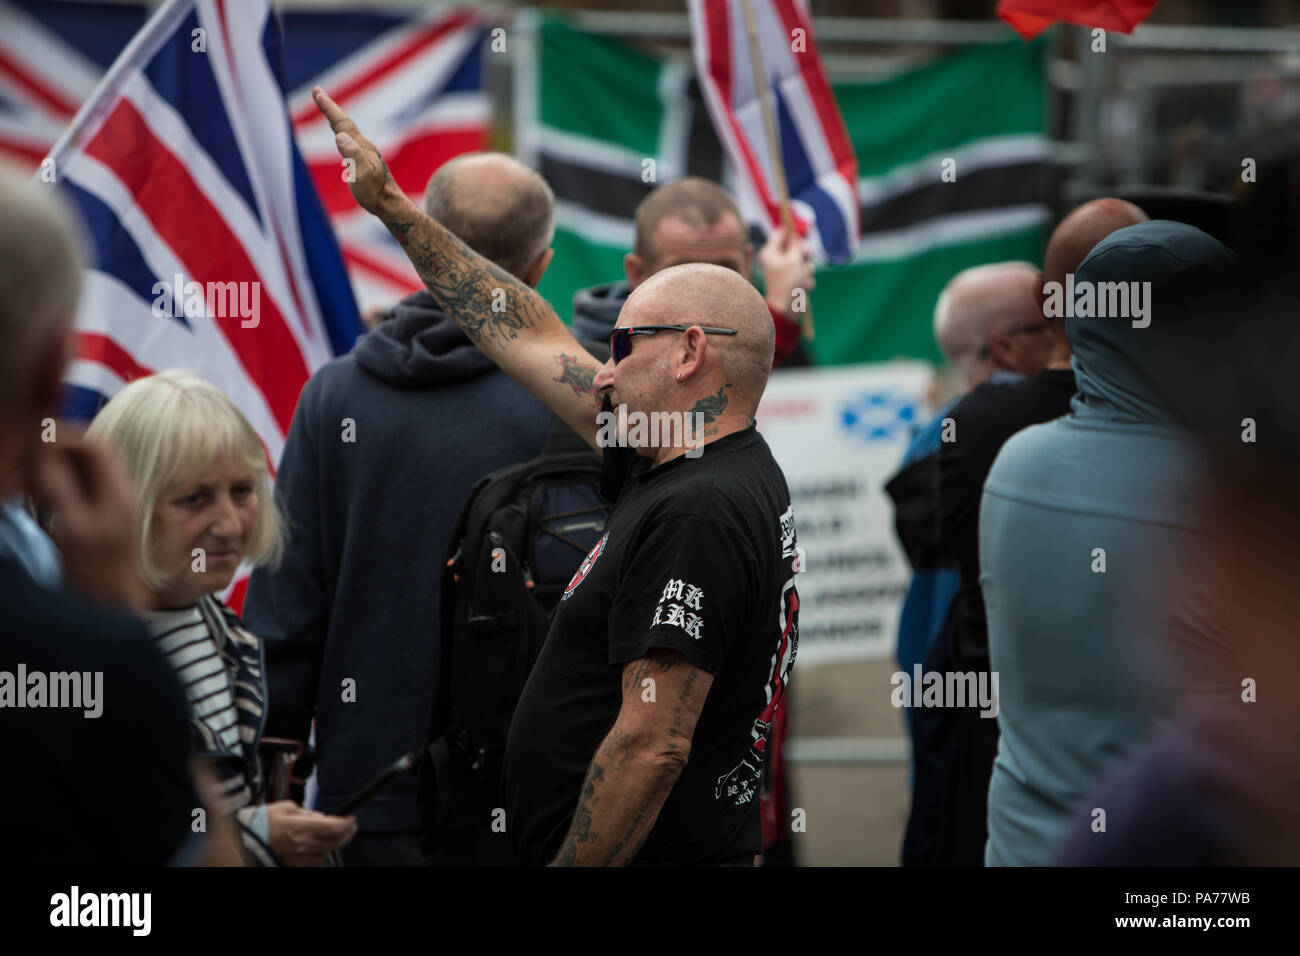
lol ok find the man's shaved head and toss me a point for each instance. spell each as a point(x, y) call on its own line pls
point(1082, 229)
point(721, 377)
point(497, 206)
point(978, 305)
point(702, 294)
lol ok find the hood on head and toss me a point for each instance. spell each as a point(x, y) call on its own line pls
point(1121, 370)
point(595, 310)
point(420, 346)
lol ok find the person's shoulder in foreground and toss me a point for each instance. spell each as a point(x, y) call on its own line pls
point(98, 750)
point(1193, 796)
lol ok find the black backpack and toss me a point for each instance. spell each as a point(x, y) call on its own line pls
point(520, 536)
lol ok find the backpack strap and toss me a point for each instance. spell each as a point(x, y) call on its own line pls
point(437, 782)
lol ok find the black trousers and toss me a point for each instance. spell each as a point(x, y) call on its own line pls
point(953, 751)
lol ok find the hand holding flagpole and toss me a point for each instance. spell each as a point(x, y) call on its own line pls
point(773, 141)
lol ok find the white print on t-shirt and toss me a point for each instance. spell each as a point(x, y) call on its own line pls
point(677, 604)
point(741, 783)
point(787, 533)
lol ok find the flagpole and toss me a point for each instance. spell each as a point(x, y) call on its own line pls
point(773, 142)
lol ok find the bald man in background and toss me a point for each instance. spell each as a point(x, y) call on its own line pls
point(384, 448)
point(975, 327)
point(641, 733)
point(984, 324)
point(955, 748)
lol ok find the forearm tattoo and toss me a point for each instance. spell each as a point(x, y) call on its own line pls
point(581, 378)
point(488, 303)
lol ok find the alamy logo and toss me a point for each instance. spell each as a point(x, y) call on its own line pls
point(624, 429)
point(1098, 300)
point(102, 909)
point(220, 300)
point(946, 689)
point(77, 690)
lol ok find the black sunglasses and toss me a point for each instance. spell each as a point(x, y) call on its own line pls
point(620, 340)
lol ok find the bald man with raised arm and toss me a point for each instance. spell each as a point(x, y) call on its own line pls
point(640, 735)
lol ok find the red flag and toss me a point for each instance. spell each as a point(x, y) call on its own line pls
point(1031, 17)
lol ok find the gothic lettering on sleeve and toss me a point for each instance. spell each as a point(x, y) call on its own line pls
point(681, 605)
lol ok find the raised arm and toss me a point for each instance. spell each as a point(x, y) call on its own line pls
point(510, 323)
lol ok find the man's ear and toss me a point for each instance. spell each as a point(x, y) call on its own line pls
point(636, 269)
point(1001, 355)
point(538, 268)
point(691, 352)
point(1040, 294)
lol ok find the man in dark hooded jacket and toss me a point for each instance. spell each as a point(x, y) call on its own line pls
point(384, 448)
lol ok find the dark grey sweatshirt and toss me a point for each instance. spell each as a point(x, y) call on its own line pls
point(356, 598)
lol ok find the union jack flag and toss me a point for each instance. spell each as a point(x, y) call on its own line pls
point(415, 83)
point(184, 169)
point(821, 170)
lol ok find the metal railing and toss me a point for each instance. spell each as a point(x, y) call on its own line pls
point(847, 750)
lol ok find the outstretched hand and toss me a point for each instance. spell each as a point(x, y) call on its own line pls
point(367, 174)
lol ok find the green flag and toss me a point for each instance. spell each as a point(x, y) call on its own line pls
point(951, 157)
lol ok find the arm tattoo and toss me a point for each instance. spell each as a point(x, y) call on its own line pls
point(663, 782)
point(581, 378)
point(488, 303)
point(613, 750)
point(656, 661)
point(627, 785)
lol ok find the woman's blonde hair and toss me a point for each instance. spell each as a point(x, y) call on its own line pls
point(168, 426)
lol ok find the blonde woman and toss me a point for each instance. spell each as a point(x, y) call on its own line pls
point(203, 505)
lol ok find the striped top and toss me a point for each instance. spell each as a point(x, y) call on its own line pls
point(220, 666)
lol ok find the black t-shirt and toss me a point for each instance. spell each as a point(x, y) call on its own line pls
point(699, 557)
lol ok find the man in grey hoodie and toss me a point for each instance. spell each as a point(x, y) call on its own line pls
point(1080, 524)
point(384, 448)
point(695, 220)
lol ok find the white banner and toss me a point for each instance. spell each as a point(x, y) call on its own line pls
point(839, 434)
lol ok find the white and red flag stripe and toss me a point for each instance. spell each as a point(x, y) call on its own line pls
point(417, 90)
point(820, 167)
point(183, 167)
point(413, 80)
point(210, 250)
